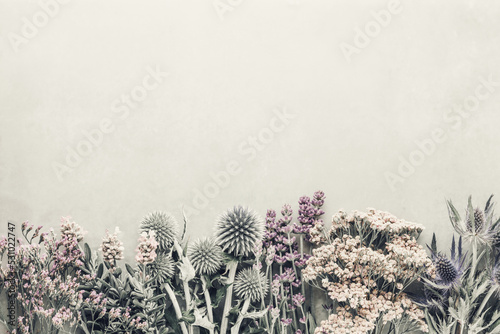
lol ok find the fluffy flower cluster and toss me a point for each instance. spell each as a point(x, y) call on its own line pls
point(364, 263)
point(146, 250)
point(45, 278)
point(378, 225)
point(111, 247)
point(364, 320)
point(70, 229)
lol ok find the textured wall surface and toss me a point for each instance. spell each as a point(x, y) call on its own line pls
point(112, 109)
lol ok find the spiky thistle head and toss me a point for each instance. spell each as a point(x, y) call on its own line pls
point(238, 230)
point(165, 227)
point(476, 222)
point(205, 256)
point(250, 284)
point(448, 270)
point(162, 268)
point(477, 227)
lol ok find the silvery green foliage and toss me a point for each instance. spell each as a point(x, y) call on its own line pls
point(472, 304)
point(238, 230)
point(165, 227)
point(205, 256)
point(250, 284)
point(162, 269)
point(127, 303)
point(478, 226)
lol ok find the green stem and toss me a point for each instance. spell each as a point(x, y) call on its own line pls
point(236, 328)
point(485, 301)
point(208, 299)
point(231, 266)
point(177, 308)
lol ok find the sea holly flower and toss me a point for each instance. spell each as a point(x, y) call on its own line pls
point(448, 270)
point(478, 226)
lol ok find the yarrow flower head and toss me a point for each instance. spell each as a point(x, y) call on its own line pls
point(165, 227)
point(111, 247)
point(205, 256)
point(238, 231)
point(251, 284)
point(146, 250)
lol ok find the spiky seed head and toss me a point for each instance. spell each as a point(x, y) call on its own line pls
point(238, 230)
point(205, 256)
point(446, 270)
point(162, 269)
point(165, 227)
point(250, 284)
point(479, 221)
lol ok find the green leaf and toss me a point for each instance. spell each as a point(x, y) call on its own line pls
point(88, 252)
point(130, 270)
point(187, 272)
point(188, 317)
point(155, 298)
point(117, 272)
point(219, 296)
point(100, 270)
point(156, 309)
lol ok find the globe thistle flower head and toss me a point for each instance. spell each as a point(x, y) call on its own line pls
point(238, 230)
point(250, 284)
point(162, 268)
point(205, 256)
point(165, 227)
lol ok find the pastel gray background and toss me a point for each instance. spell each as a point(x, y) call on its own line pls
point(353, 120)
